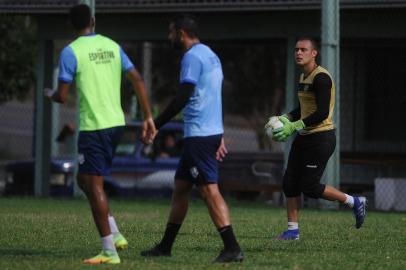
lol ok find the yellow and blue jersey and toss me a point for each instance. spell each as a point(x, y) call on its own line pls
point(96, 64)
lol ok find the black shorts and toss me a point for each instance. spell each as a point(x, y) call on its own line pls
point(307, 161)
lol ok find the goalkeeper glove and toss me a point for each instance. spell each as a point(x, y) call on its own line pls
point(288, 129)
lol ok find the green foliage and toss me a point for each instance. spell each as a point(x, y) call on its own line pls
point(18, 51)
point(58, 234)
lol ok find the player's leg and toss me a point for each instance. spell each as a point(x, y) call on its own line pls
point(119, 240)
point(177, 213)
point(292, 209)
point(180, 201)
point(92, 186)
point(205, 172)
point(96, 148)
point(291, 189)
point(218, 208)
point(357, 204)
point(220, 216)
point(179, 206)
point(320, 147)
point(114, 134)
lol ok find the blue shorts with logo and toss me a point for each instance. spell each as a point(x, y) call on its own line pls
point(96, 150)
point(198, 162)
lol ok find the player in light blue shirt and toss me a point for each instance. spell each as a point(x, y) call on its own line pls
point(201, 67)
point(201, 79)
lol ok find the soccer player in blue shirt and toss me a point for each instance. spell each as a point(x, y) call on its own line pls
point(201, 79)
point(96, 64)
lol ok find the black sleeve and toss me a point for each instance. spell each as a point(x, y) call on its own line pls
point(176, 105)
point(322, 90)
point(295, 114)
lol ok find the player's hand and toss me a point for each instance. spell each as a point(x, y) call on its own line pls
point(49, 93)
point(148, 131)
point(221, 151)
point(282, 134)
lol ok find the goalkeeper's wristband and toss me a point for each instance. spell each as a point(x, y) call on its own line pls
point(298, 125)
point(287, 116)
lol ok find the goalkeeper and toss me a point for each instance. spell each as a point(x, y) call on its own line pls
point(315, 142)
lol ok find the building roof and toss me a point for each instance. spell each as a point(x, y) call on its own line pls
point(153, 6)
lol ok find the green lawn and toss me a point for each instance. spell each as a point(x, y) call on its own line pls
point(58, 234)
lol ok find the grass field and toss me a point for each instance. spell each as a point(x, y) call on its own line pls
point(58, 234)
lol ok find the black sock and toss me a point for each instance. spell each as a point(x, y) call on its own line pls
point(171, 231)
point(228, 237)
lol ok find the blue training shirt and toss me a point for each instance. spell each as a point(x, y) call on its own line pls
point(202, 114)
point(68, 63)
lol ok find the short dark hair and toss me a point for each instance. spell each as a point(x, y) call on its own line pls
point(80, 16)
point(313, 41)
point(187, 23)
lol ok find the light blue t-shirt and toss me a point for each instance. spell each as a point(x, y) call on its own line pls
point(68, 63)
point(202, 114)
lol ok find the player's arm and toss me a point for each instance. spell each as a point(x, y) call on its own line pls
point(139, 87)
point(60, 95)
point(67, 72)
point(222, 150)
point(176, 105)
point(148, 127)
point(190, 71)
point(322, 90)
point(137, 82)
point(294, 115)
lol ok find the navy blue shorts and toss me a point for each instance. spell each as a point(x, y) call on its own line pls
point(198, 162)
point(96, 150)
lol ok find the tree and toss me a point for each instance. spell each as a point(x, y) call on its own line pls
point(18, 50)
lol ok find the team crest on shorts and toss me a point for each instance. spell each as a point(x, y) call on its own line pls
point(194, 172)
point(81, 158)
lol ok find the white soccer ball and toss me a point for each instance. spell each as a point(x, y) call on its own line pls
point(273, 124)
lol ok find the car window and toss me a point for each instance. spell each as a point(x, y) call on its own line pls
point(167, 144)
point(128, 141)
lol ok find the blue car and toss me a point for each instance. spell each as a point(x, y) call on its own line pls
point(137, 170)
point(20, 177)
point(140, 170)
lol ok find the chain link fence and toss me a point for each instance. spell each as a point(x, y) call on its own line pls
point(372, 99)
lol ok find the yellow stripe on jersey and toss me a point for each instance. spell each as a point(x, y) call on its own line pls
point(308, 105)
